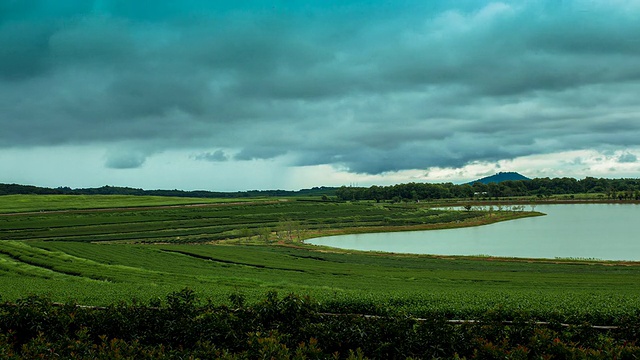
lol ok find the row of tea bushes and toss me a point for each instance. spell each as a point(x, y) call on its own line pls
point(183, 326)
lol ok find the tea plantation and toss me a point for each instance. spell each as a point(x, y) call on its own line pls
point(163, 270)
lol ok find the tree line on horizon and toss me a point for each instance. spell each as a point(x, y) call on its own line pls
point(620, 189)
point(16, 189)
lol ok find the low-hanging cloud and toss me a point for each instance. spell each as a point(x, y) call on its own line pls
point(627, 158)
point(369, 88)
point(125, 160)
point(215, 156)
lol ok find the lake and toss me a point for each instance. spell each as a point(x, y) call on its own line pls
point(583, 231)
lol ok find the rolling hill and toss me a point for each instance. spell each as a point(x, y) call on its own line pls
point(500, 177)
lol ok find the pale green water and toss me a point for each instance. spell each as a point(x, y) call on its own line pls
point(598, 231)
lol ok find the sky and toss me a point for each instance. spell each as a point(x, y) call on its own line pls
point(241, 95)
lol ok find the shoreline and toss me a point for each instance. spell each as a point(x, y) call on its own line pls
point(485, 221)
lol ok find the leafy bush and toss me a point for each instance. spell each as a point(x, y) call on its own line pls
point(291, 327)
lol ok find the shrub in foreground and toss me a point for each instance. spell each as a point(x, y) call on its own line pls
point(290, 327)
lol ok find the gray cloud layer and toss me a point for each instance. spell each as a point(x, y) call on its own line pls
point(371, 88)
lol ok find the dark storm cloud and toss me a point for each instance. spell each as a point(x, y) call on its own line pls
point(367, 87)
point(22, 51)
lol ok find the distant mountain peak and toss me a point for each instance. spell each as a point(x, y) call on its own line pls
point(500, 177)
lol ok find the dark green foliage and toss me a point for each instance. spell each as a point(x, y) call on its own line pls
point(620, 189)
point(14, 189)
point(616, 189)
point(291, 327)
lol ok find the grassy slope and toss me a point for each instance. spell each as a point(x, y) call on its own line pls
point(277, 221)
point(101, 273)
point(26, 203)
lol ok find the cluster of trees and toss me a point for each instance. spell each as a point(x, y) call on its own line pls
point(14, 189)
point(622, 189)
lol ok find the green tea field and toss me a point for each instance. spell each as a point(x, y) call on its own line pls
point(98, 257)
point(150, 278)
